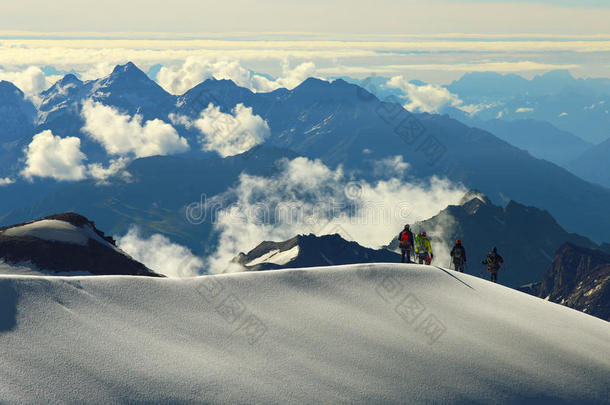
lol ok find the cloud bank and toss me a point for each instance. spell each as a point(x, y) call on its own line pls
point(194, 70)
point(159, 254)
point(430, 98)
point(306, 196)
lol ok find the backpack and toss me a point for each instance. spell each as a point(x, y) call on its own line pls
point(493, 260)
point(404, 238)
point(457, 253)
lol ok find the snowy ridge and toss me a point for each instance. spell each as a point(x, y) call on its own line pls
point(56, 230)
point(276, 256)
point(65, 243)
point(377, 333)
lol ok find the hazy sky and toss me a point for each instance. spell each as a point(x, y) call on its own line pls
point(347, 16)
point(432, 40)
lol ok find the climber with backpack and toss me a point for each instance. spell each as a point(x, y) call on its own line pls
point(493, 261)
point(423, 249)
point(458, 256)
point(406, 243)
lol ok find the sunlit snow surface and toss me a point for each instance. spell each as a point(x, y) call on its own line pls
point(276, 257)
point(364, 334)
point(56, 230)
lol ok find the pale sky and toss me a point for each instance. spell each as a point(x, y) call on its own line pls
point(345, 16)
point(432, 40)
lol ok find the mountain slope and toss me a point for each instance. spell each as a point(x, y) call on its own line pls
point(312, 251)
point(17, 117)
point(64, 243)
point(579, 278)
point(542, 139)
point(594, 164)
point(343, 124)
point(526, 237)
point(326, 335)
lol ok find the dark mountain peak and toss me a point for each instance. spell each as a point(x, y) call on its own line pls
point(312, 83)
point(526, 236)
point(558, 74)
point(59, 87)
point(311, 251)
point(70, 79)
point(8, 89)
point(217, 86)
point(129, 68)
point(64, 243)
point(579, 278)
point(474, 195)
point(126, 76)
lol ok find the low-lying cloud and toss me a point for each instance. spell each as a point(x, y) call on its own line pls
point(430, 98)
point(5, 181)
point(159, 254)
point(306, 196)
point(51, 156)
point(194, 70)
point(121, 134)
point(31, 80)
point(228, 134)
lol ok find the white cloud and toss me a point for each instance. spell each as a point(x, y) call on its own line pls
point(116, 166)
point(194, 70)
point(521, 110)
point(308, 197)
point(431, 98)
point(160, 255)
point(290, 78)
point(391, 167)
point(121, 134)
point(31, 80)
point(228, 134)
point(52, 156)
point(427, 98)
point(5, 181)
point(96, 71)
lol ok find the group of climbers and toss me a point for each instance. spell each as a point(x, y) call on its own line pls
point(421, 248)
point(418, 244)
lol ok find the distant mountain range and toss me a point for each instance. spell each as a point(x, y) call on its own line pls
point(312, 251)
point(339, 123)
point(579, 106)
point(65, 244)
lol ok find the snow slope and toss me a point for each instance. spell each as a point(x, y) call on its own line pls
point(57, 230)
point(347, 334)
point(276, 257)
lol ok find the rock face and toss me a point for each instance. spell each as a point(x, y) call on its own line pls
point(66, 243)
point(312, 251)
point(579, 278)
point(526, 237)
